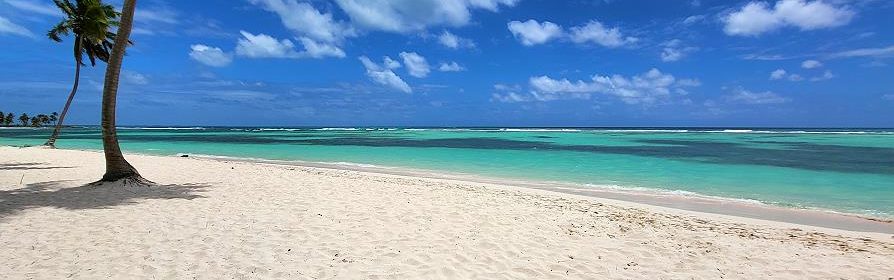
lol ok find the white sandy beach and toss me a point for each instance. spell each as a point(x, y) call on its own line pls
point(213, 219)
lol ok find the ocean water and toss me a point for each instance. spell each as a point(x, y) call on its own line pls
point(833, 169)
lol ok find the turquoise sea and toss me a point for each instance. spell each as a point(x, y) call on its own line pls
point(843, 170)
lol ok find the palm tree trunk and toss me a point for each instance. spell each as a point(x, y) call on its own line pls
point(117, 168)
point(52, 141)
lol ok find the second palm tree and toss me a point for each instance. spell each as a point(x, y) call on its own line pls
point(89, 21)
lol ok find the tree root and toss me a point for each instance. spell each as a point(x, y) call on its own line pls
point(132, 181)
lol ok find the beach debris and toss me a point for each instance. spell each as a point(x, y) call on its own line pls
point(184, 155)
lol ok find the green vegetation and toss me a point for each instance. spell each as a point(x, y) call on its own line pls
point(39, 120)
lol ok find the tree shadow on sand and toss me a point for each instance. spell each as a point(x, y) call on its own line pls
point(90, 196)
point(29, 166)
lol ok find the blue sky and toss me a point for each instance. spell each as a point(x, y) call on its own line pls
point(473, 63)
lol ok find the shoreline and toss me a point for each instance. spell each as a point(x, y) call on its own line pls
point(671, 200)
point(694, 203)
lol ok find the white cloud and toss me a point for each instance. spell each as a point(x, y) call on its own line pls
point(867, 52)
point(415, 15)
point(263, 46)
point(780, 74)
point(390, 63)
point(211, 56)
point(674, 50)
point(454, 42)
point(777, 74)
point(889, 97)
point(383, 74)
point(135, 78)
point(416, 64)
point(645, 88)
point(810, 64)
point(306, 21)
point(38, 8)
point(451, 67)
point(741, 95)
point(756, 18)
point(532, 33)
point(319, 49)
point(9, 27)
point(671, 54)
point(826, 76)
point(595, 32)
point(753, 19)
point(322, 35)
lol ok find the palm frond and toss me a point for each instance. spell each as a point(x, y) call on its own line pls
point(92, 23)
point(61, 29)
point(67, 8)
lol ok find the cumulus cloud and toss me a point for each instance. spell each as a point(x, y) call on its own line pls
point(741, 95)
point(756, 18)
point(306, 21)
point(319, 33)
point(780, 74)
point(408, 16)
point(810, 64)
point(777, 74)
point(319, 49)
point(383, 74)
point(451, 67)
point(265, 46)
point(532, 32)
point(323, 35)
point(9, 27)
point(454, 42)
point(211, 56)
point(416, 64)
point(391, 63)
point(646, 88)
point(595, 32)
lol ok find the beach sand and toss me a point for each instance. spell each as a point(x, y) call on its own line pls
point(213, 219)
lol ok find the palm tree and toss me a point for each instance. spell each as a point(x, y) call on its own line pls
point(44, 119)
point(117, 168)
point(54, 117)
point(24, 119)
point(2, 117)
point(9, 118)
point(89, 21)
